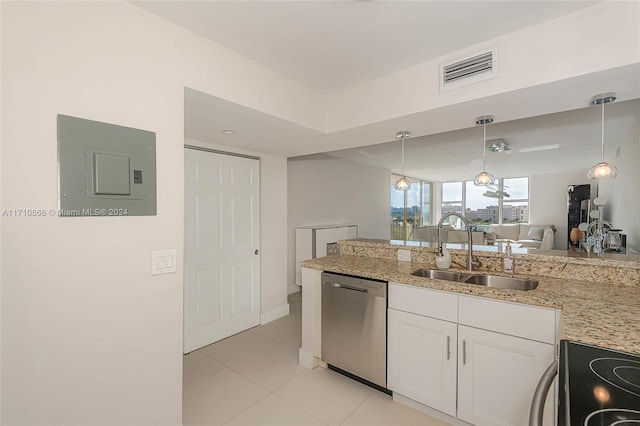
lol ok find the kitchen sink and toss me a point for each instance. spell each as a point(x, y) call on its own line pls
point(438, 274)
point(494, 281)
point(502, 282)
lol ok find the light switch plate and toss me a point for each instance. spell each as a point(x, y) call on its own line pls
point(163, 262)
point(404, 255)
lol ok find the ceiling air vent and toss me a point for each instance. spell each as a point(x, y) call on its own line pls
point(472, 69)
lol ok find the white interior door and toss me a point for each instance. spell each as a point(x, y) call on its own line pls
point(222, 239)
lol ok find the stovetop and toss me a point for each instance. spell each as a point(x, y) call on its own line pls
point(598, 386)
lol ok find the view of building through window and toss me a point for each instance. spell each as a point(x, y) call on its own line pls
point(409, 209)
point(507, 201)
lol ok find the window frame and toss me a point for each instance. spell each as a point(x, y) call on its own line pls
point(501, 201)
point(421, 203)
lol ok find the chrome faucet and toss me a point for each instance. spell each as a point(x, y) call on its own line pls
point(472, 261)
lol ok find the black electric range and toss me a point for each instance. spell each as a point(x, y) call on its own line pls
point(598, 386)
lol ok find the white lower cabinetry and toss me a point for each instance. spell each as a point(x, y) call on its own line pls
point(497, 375)
point(441, 359)
point(422, 359)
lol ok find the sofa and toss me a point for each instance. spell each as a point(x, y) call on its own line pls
point(447, 234)
point(528, 236)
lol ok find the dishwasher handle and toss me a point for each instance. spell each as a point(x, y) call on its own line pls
point(346, 287)
point(540, 394)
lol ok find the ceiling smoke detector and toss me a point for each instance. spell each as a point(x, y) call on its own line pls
point(497, 145)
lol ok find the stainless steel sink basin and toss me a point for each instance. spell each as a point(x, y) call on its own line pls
point(502, 282)
point(438, 274)
point(494, 281)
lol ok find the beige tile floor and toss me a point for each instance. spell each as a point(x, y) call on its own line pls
point(253, 378)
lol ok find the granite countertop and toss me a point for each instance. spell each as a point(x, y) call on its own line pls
point(497, 250)
point(604, 315)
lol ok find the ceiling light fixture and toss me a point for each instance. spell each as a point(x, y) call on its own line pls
point(403, 183)
point(228, 132)
point(497, 145)
point(602, 170)
point(484, 178)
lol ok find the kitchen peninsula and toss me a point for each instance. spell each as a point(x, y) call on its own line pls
point(596, 298)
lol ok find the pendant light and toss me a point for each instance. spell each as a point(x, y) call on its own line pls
point(403, 183)
point(484, 178)
point(602, 170)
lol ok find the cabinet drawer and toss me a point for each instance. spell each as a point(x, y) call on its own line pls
point(530, 322)
point(423, 301)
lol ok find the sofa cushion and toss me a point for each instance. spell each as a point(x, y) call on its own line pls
point(529, 243)
point(535, 233)
point(525, 228)
point(507, 232)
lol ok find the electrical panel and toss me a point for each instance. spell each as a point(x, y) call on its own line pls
point(105, 169)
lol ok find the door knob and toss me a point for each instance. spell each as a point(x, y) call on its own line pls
point(256, 252)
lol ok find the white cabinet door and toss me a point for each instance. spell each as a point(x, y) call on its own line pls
point(497, 375)
point(421, 361)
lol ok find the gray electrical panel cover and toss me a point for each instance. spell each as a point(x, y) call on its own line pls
point(105, 169)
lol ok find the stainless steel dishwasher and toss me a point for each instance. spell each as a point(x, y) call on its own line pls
point(354, 326)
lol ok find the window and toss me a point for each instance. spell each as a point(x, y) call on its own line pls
point(410, 209)
point(515, 209)
point(505, 202)
point(452, 197)
point(480, 207)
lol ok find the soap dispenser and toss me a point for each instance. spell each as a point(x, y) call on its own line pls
point(443, 259)
point(508, 263)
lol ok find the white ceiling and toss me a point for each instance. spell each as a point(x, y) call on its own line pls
point(545, 144)
point(333, 45)
point(205, 116)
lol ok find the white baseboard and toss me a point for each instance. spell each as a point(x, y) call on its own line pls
point(274, 314)
point(293, 289)
point(306, 359)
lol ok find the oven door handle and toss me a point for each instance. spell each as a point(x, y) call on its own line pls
point(540, 394)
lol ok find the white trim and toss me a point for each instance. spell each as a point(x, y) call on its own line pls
point(294, 288)
point(306, 359)
point(274, 314)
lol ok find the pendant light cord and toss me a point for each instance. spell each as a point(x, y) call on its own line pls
point(602, 144)
point(403, 175)
point(484, 148)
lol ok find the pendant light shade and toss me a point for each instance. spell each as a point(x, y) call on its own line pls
point(602, 170)
point(403, 183)
point(484, 178)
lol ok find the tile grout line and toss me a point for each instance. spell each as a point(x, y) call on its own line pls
point(230, 368)
point(258, 401)
point(356, 409)
point(249, 378)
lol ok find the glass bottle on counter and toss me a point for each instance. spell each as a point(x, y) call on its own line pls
point(508, 262)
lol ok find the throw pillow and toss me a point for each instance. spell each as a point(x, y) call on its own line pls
point(536, 234)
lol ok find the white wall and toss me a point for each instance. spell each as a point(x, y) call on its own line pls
point(325, 190)
point(548, 201)
point(88, 335)
point(552, 51)
point(622, 195)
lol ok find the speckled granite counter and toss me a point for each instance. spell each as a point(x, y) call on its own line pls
point(602, 314)
point(603, 269)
